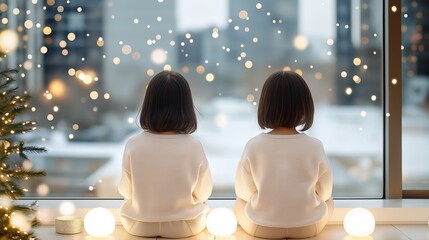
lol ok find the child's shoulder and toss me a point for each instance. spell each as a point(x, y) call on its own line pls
point(147, 135)
point(191, 138)
point(258, 139)
point(132, 140)
point(138, 139)
point(134, 137)
point(313, 139)
point(262, 138)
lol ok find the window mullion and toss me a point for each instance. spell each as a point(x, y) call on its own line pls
point(393, 100)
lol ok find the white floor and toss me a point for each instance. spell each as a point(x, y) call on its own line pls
point(331, 232)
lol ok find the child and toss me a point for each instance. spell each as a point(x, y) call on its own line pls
point(283, 182)
point(165, 174)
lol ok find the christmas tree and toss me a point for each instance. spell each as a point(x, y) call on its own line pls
point(16, 221)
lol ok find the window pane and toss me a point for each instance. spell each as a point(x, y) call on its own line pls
point(101, 55)
point(415, 75)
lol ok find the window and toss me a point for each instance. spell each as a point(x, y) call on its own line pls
point(415, 105)
point(91, 61)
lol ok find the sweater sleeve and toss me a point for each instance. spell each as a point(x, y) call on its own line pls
point(324, 183)
point(204, 185)
point(124, 186)
point(244, 185)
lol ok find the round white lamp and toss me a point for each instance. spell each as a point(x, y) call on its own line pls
point(221, 222)
point(99, 222)
point(359, 222)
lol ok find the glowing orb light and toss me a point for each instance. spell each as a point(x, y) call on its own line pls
point(99, 222)
point(221, 222)
point(359, 222)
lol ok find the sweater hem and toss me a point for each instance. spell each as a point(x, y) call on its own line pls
point(172, 219)
point(276, 225)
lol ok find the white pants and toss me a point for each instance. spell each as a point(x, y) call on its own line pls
point(270, 232)
point(173, 229)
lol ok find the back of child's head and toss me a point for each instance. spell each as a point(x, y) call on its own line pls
point(168, 105)
point(285, 101)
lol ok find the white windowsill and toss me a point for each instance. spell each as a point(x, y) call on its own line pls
point(394, 211)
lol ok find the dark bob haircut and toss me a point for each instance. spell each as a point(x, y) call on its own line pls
point(168, 105)
point(285, 101)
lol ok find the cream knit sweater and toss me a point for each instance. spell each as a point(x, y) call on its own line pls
point(164, 178)
point(285, 180)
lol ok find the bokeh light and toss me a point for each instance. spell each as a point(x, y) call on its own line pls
point(300, 42)
point(57, 88)
point(67, 208)
point(8, 41)
point(158, 56)
point(248, 64)
point(210, 77)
